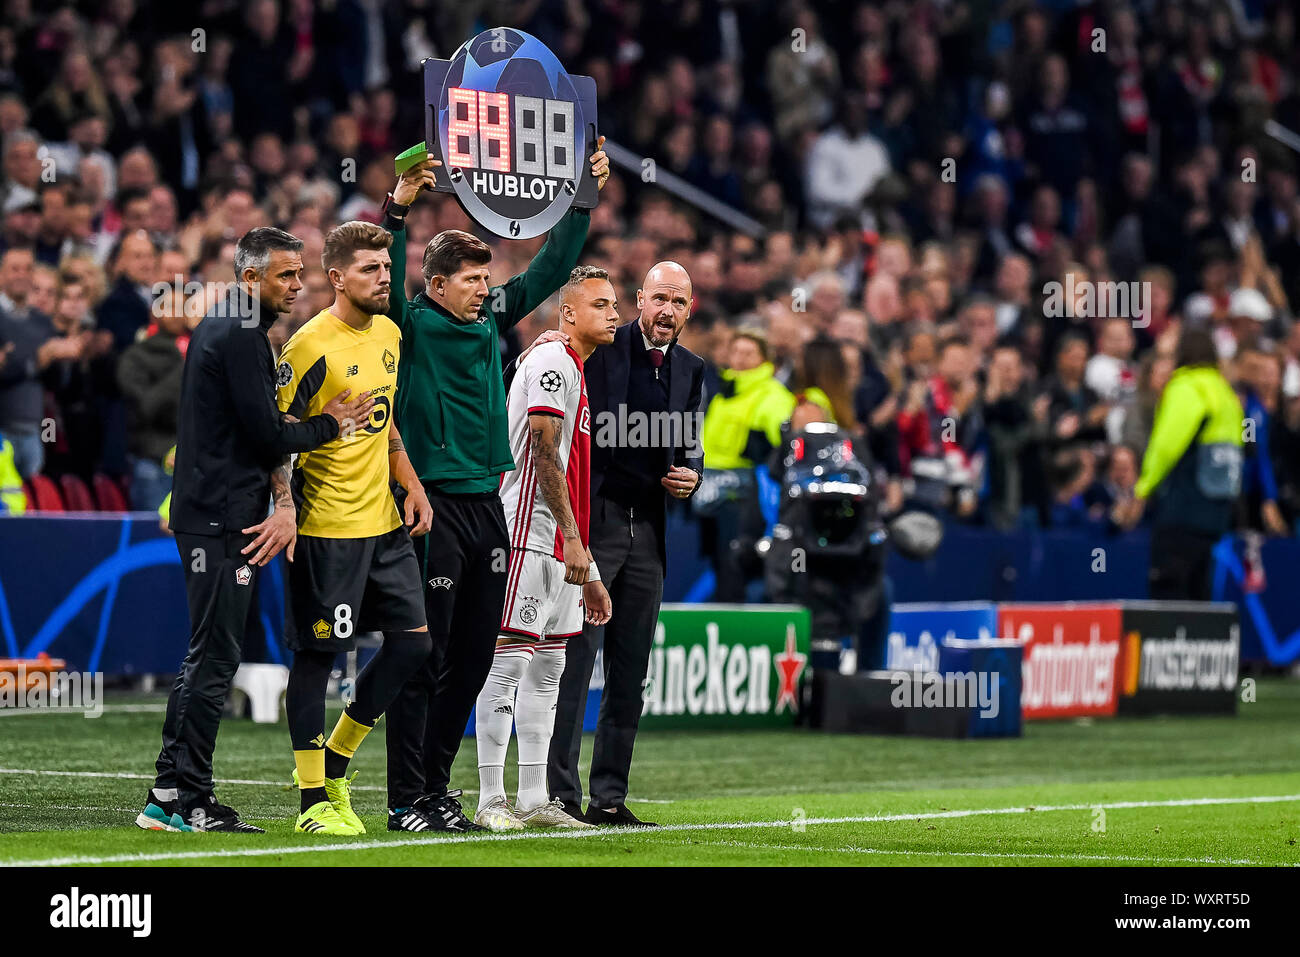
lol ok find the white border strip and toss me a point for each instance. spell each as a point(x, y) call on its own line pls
point(608, 831)
point(285, 784)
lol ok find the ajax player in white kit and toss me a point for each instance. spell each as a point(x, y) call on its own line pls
point(552, 577)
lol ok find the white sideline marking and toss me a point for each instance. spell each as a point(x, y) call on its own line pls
point(286, 784)
point(851, 849)
point(128, 776)
point(81, 712)
point(616, 831)
point(70, 807)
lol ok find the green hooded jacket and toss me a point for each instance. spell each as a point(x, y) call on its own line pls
point(451, 399)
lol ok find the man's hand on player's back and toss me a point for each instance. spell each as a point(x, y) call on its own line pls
point(550, 335)
point(349, 414)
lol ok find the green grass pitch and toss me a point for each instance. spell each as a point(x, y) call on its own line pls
point(1177, 791)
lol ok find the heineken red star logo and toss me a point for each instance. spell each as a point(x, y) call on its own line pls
point(789, 665)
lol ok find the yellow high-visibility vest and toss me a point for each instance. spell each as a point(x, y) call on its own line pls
point(13, 500)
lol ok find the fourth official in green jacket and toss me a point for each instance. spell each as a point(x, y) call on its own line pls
point(451, 409)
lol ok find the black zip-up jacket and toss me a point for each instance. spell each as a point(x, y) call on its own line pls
point(230, 434)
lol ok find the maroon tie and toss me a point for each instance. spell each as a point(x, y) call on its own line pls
point(656, 359)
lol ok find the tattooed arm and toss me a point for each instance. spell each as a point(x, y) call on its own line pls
point(280, 530)
point(546, 430)
point(281, 492)
point(419, 513)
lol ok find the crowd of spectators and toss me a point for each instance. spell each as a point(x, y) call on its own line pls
point(979, 227)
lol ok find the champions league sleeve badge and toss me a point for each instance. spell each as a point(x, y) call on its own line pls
point(513, 130)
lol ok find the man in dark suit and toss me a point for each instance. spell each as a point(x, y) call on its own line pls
point(126, 308)
point(124, 312)
point(643, 375)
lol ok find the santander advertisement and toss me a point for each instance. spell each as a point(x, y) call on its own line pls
point(1071, 653)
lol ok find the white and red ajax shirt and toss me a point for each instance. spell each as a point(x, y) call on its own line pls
point(549, 380)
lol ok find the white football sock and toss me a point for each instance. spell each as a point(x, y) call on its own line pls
point(493, 715)
point(539, 692)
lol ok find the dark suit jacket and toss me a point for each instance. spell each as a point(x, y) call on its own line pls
point(607, 374)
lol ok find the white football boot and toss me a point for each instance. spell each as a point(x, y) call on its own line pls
point(498, 816)
point(552, 814)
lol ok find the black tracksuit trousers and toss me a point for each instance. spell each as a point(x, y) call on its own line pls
point(220, 588)
point(464, 559)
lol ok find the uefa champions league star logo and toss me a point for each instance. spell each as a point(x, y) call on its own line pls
point(513, 129)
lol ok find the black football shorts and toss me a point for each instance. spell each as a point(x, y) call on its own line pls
point(338, 587)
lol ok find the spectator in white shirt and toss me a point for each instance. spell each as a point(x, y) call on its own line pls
point(844, 165)
point(1110, 372)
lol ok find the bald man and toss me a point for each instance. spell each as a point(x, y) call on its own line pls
point(646, 396)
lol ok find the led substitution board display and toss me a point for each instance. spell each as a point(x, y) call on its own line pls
point(513, 130)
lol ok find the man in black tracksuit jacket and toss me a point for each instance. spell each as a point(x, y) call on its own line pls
point(231, 438)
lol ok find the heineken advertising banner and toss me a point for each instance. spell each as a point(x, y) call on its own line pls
point(726, 666)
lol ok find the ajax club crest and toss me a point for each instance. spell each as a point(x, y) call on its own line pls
point(528, 613)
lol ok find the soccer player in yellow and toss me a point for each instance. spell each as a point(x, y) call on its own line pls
point(354, 567)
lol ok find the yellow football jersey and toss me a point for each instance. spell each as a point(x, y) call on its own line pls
point(342, 486)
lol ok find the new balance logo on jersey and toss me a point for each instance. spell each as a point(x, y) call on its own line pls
point(441, 583)
point(352, 370)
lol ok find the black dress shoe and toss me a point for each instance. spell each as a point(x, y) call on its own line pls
point(614, 817)
point(574, 810)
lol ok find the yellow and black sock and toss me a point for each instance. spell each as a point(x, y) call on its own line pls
point(311, 776)
point(343, 743)
point(304, 701)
